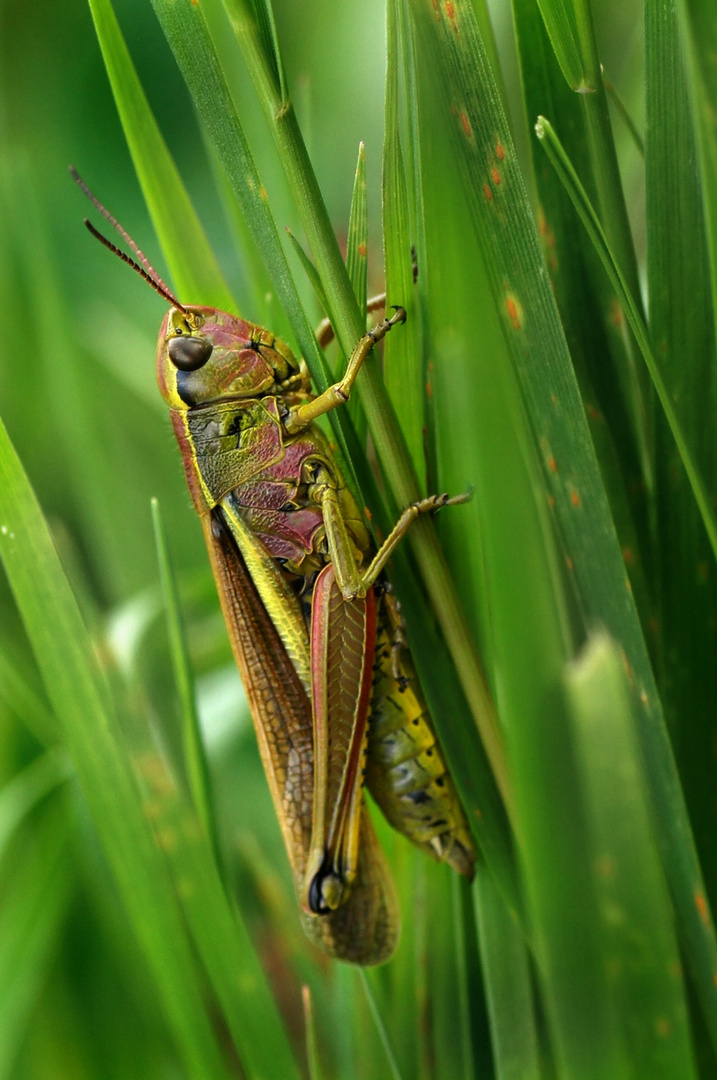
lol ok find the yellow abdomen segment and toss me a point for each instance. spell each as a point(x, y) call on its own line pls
point(405, 770)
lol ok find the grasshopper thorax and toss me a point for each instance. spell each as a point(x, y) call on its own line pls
point(206, 355)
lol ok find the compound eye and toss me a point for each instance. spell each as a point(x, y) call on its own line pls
point(189, 353)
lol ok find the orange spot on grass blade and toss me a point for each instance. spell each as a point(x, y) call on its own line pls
point(466, 125)
point(702, 910)
point(496, 176)
point(574, 498)
point(362, 250)
point(552, 464)
point(487, 192)
point(514, 312)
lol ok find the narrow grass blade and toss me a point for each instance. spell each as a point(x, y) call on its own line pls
point(33, 904)
point(623, 112)
point(522, 295)
point(357, 269)
point(508, 987)
point(402, 369)
point(27, 788)
point(357, 243)
point(19, 693)
point(589, 218)
point(393, 1068)
point(194, 760)
point(309, 270)
point(312, 1050)
point(91, 733)
point(569, 24)
point(698, 39)
point(462, 955)
point(194, 269)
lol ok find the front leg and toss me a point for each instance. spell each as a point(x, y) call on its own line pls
point(300, 416)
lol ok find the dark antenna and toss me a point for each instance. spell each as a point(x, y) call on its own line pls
point(145, 270)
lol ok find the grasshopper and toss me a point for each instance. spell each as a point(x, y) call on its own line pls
point(316, 634)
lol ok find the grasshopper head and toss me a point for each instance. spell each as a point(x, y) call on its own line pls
point(208, 355)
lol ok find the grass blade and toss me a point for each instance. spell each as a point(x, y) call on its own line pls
point(194, 269)
point(402, 369)
point(509, 992)
point(193, 759)
point(33, 904)
point(357, 243)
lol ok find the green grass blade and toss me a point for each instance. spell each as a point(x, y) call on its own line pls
point(357, 269)
point(312, 1050)
point(33, 904)
point(698, 39)
point(357, 243)
point(393, 1068)
point(590, 220)
point(92, 736)
point(194, 269)
point(402, 369)
point(309, 270)
point(624, 113)
point(460, 941)
point(569, 25)
point(20, 693)
point(193, 760)
point(634, 911)
point(508, 988)
point(27, 788)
